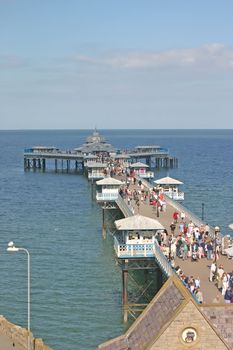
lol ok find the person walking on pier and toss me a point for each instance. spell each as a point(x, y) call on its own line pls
point(175, 217)
point(173, 227)
point(209, 248)
point(198, 295)
point(182, 216)
point(212, 271)
point(220, 273)
point(228, 295)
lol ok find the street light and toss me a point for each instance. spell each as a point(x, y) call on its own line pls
point(12, 248)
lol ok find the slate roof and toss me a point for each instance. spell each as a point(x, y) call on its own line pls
point(149, 323)
point(172, 298)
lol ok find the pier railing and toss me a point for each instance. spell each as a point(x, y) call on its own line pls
point(162, 261)
point(159, 151)
point(126, 210)
point(132, 250)
point(100, 196)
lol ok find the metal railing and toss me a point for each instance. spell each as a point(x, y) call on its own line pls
point(124, 250)
point(162, 261)
point(126, 210)
point(128, 250)
point(100, 196)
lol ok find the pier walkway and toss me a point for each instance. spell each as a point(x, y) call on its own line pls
point(198, 269)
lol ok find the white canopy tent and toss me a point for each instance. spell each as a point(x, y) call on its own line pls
point(138, 222)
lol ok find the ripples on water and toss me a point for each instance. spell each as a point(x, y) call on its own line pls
point(76, 284)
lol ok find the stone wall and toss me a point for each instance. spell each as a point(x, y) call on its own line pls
point(19, 336)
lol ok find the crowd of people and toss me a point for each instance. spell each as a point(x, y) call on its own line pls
point(193, 284)
point(223, 281)
point(185, 240)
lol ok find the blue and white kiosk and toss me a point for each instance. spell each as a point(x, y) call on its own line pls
point(170, 187)
point(136, 237)
point(108, 189)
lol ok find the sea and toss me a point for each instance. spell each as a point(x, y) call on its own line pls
point(75, 280)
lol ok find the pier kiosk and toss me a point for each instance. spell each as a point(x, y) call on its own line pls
point(96, 170)
point(141, 169)
point(107, 194)
point(170, 187)
point(108, 189)
point(137, 249)
point(89, 158)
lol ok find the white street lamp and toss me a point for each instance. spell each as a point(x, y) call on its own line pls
point(12, 248)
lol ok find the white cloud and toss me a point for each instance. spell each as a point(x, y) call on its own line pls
point(212, 55)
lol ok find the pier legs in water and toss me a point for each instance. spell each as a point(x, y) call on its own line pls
point(125, 291)
point(103, 224)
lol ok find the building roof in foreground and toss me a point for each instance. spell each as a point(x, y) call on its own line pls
point(169, 320)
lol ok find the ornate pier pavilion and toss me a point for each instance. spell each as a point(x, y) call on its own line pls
point(94, 149)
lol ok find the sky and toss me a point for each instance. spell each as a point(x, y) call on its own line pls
point(115, 64)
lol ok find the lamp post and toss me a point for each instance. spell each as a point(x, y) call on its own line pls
point(202, 211)
point(216, 231)
point(12, 248)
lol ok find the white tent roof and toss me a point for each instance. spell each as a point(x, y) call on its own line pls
point(168, 181)
point(138, 222)
point(139, 165)
point(109, 181)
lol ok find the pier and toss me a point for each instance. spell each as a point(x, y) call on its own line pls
point(167, 314)
point(94, 150)
point(174, 314)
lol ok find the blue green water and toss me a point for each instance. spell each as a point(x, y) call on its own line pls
point(76, 284)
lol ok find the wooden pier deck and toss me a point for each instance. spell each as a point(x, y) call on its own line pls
point(199, 268)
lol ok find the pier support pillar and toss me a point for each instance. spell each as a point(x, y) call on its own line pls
point(43, 164)
point(67, 166)
point(93, 188)
point(56, 165)
point(34, 164)
point(125, 291)
point(104, 231)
